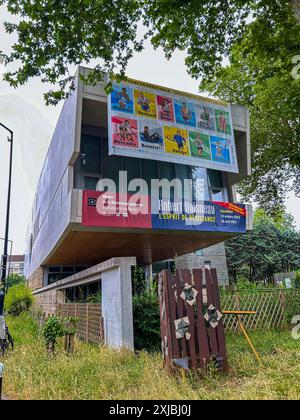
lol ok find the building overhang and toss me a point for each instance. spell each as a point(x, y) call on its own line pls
point(90, 246)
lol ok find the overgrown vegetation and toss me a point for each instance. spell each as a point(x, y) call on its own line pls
point(19, 298)
point(100, 373)
point(272, 247)
point(55, 328)
point(14, 280)
point(146, 321)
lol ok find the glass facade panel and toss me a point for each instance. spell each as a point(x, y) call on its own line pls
point(96, 164)
point(215, 178)
point(91, 155)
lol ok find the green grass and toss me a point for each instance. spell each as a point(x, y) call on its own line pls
point(93, 373)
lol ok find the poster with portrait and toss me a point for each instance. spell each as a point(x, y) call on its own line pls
point(200, 145)
point(205, 117)
point(223, 122)
point(122, 99)
point(185, 112)
point(165, 107)
point(151, 135)
point(176, 141)
point(220, 150)
point(145, 104)
point(124, 132)
point(153, 122)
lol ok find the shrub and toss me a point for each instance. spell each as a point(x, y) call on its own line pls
point(14, 280)
point(146, 320)
point(19, 299)
point(297, 280)
point(56, 327)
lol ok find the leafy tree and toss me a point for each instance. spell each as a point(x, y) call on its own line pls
point(259, 76)
point(19, 299)
point(14, 280)
point(273, 246)
point(53, 34)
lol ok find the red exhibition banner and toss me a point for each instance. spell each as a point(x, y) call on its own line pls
point(105, 209)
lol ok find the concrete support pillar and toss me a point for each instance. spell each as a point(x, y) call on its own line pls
point(117, 304)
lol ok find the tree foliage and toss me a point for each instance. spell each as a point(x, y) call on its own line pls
point(14, 280)
point(273, 246)
point(54, 34)
point(146, 321)
point(259, 77)
point(19, 299)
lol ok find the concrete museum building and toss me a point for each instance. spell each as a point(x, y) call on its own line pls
point(143, 141)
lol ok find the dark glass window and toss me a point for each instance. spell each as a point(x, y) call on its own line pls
point(166, 170)
point(133, 168)
point(90, 183)
point(112, 165)
point(215, 179)
point(53, 278)
point(54, 269)
point(59, 273)
point(91, 154)
point(149, 171)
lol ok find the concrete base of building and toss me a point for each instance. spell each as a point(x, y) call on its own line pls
point(117, 313)
point(36, 280)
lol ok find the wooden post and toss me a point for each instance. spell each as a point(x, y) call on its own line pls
point(283, 307)
point(87, 324)
point(237, 307)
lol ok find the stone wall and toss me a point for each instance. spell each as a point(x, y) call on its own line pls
point(47, 302)
point(36, 280)
point(215, 255)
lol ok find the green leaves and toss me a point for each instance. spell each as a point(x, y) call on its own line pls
point(146, 321)
point(56, 327)
point(56, 34)
point(19, 299)
point(259, 77)
point(273, 246)
point(52, 35)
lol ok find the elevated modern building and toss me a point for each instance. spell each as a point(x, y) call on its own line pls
point(152, 133)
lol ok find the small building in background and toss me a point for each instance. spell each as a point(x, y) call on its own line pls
point(286, 280)
point(16, 264)
point(211, 257)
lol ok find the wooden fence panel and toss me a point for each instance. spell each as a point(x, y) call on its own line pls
point(191, 332)
point(90, 325)
point(273, 308)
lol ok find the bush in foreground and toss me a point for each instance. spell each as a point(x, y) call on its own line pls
point(19, 299)
point(146, 321)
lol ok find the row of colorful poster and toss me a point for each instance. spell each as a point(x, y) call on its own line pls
point(153, 136)
point(150, 122)
point(169, 108)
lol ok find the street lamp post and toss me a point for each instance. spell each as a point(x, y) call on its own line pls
point(4, 264)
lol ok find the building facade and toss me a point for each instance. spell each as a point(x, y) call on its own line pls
point(211, 257)
point(61, 244)
point(16, 264)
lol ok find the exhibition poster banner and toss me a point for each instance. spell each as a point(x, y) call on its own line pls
point(152, 122)
point(114, 210)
